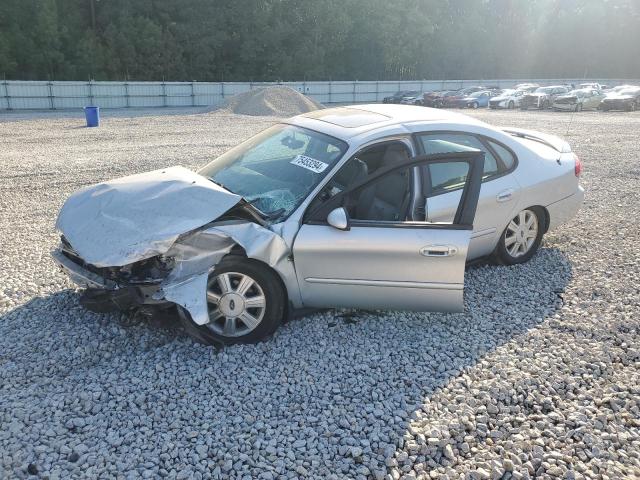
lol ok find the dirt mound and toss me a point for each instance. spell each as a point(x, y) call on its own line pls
point(277, 101)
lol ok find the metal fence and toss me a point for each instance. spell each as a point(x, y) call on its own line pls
point(20, 95)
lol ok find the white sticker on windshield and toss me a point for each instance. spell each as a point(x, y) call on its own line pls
point(310, 163)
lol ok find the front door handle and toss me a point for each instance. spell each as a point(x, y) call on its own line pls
point(505, 196)
point(438, 250)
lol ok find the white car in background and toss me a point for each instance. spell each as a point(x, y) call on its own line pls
point(529, 87)
point(507, 99)
point(367, 206)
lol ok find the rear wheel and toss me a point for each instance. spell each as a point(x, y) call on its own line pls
point(474, 105)
point(245, 299)
point(521, 238)
point(632, 107)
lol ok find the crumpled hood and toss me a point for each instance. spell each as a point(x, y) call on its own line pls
point(129, 219)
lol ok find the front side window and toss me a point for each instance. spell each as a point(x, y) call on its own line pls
point(384, 202)
point(446, 177)
point(276, 169)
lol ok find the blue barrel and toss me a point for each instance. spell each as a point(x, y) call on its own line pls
point(92, 114)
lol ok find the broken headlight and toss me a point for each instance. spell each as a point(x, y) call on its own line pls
point(151, 270)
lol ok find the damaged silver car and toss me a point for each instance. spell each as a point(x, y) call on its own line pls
point(323, 210)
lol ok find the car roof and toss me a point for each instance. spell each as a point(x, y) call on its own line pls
point(352, 120)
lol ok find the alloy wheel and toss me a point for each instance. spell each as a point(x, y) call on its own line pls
point(236, 304)
point(521, 233)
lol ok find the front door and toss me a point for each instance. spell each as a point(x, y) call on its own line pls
point(382, 260)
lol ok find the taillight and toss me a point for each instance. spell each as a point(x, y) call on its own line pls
point(578, 167)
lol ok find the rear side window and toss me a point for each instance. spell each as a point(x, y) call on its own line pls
point(450, 142)
point(443, 178)
point(508, 160)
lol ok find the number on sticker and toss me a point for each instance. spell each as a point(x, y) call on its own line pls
point(310, 163)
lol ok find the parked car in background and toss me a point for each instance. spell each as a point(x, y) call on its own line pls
point(367, 206)
point(542, 97)
point(399, 95)
point(626, 98)
point(507, 99)
point(590, 86)
point(455, 98)
point(416, 99)
point(435, 99)
point(527, 87)
point(578, 100)
point(477, 99)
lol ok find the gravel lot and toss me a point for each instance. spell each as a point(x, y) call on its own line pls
point(540, 378)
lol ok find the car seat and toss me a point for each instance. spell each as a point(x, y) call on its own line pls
point(388, 198)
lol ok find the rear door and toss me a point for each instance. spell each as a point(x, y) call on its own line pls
point(387, 264)
point(442, 185)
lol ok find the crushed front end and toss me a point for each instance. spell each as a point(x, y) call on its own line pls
point(122, 288)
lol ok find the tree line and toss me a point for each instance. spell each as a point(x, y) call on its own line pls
point(288, 40)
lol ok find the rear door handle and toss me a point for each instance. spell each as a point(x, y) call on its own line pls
point(504, 196)
point(438, 250)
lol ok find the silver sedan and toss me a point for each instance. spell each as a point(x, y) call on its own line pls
point(371, 206)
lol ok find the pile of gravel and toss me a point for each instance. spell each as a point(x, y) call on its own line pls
point(277, 101)
point(539, 378)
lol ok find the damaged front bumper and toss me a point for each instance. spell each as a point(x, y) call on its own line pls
point(106, 292)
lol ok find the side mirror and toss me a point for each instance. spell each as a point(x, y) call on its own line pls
point(338, 218)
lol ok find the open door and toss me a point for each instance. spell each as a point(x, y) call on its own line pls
point(357, 248)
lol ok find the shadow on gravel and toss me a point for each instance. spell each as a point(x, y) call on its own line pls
point(335, 390)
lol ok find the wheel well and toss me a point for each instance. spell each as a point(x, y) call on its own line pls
point(545, 216)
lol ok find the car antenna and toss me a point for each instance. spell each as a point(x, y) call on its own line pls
point(584, 77)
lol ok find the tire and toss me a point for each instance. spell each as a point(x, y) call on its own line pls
point(511, 105)
point(579, 107)
point(544, 105)
point(241, 324)
point(513, 247)
point(474, 105)
point(633, 107)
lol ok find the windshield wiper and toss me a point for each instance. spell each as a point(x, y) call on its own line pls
point(220, 184)
point(266, 215)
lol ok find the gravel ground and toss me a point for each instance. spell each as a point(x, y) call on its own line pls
point(540, 378)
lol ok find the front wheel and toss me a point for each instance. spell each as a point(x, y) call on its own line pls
point(632, 107)
point(579, 107)
point(474, 105)
point(521, 238)
point(511, 105)
point(246, 301)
